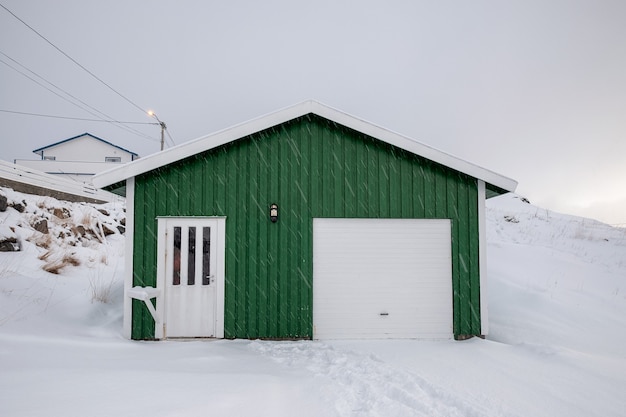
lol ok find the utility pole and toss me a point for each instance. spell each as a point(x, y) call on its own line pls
point(163, 127)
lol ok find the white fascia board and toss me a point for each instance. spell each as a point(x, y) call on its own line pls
point(222, 137)
point(482, 258)
point(128, 257)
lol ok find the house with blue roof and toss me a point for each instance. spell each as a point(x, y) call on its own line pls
point(79, 157)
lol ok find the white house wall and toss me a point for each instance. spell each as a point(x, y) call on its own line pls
point(86, 149)
point(78, 171)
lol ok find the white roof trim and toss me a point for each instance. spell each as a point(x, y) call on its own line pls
point(222, 137)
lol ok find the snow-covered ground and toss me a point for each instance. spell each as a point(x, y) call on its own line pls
point(557, 342)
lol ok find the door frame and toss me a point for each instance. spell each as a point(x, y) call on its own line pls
point(161, 326)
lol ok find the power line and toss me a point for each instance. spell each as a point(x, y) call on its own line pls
point(126, 128)
point(143, 111)
point(47, 88)
point(170, 136)
point(72, 59)
point(52, 84)
point(76, 118)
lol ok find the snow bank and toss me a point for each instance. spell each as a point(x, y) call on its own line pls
point(70, 258)
point(65, 233)
point(555, 280)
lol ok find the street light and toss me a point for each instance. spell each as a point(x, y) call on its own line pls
point(163, 127)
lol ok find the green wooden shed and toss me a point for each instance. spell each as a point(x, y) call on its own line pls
point(305, 223)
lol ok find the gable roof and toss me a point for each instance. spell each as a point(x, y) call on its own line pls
point(230, 134)
point(40, 150)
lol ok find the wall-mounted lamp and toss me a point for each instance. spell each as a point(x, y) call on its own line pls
point(274, 213)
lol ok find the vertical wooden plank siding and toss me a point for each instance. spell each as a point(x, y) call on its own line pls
point(311, 168)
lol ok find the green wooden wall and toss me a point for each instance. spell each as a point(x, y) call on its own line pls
point(310, 167)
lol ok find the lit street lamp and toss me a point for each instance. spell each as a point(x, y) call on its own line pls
point(163, 127)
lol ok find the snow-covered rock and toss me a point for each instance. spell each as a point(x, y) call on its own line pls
point(8, 239)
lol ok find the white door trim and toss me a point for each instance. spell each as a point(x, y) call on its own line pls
point(128, 256)
point(160, 329)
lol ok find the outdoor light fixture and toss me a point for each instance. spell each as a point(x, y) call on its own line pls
point(274, 213)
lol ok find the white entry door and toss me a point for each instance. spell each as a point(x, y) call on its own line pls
point(193, 276)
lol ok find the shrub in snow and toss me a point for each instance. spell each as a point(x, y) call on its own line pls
point(101, 282)
point(58, 259)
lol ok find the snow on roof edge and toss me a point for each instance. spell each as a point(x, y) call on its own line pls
point(241, 130)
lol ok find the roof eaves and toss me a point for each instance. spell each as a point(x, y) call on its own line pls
point(201, 144)
point(38, 151)
point(230, 134)
point(43, 148)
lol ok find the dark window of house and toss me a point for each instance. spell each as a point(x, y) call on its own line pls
point(206, 255)
point(191, 261)
point(176, 271)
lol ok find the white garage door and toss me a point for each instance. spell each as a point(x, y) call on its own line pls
point(382, 278)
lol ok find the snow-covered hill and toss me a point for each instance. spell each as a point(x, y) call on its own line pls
point(558, 280)
point(557, 307)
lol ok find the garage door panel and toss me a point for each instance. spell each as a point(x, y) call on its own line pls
point(398, 267)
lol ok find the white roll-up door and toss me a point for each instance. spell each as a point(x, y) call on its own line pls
point(382, 278)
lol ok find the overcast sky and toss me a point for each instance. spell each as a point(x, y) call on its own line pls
point(534, 90)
